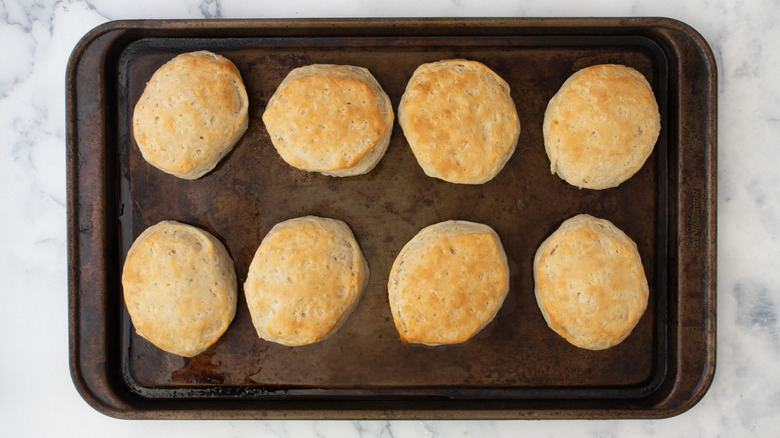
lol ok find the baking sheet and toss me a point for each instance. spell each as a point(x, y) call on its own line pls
point(516, 367)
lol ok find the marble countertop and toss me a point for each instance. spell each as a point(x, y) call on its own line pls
point(38, 397)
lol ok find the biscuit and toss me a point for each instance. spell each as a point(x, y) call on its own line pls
point(459, 120)
point(179, 288)
point(191, 114)
point(601, 126)
point(331, 119)
point(589, 283)
point(305, 280)
point(448, 283)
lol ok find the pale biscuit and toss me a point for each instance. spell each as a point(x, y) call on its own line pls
point(179, 288)
point(601, 126)
point(589, 283)
point(459, 120)
point(331, 119)
point(448, 283)
point(305, 280)
point(191, 114)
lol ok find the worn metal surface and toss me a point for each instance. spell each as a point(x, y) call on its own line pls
point(516, 367)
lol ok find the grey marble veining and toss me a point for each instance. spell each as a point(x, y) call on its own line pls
point(36, 39)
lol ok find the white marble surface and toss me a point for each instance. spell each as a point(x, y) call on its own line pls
point(37, 397)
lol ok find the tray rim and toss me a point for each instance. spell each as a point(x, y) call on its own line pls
point(104, 398)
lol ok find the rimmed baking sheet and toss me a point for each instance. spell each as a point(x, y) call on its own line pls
point(516, 367)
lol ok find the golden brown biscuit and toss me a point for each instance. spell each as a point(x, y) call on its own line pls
point(459, 120)
point(590, 284)
point(191, 114)
point(331, 119)
point(305, 280)
point(179, 287)
point(601, 126)
point(448, 283)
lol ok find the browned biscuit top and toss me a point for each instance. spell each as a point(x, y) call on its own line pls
point(447, 283)
point(589, 283)
point(304, 280)
point(460, 121)
point(180, 288)
point(329, 118)
point(601, 126)
point(191, 114)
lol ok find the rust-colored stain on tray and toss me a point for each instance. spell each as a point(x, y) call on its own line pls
point(516, 367)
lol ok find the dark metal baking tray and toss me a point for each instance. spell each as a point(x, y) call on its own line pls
point(516, 367)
